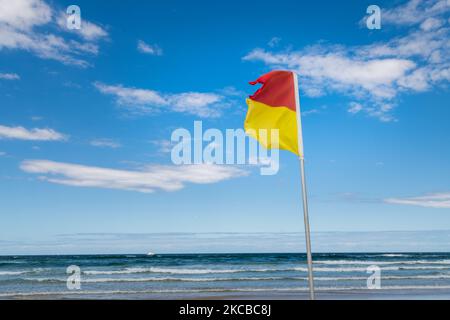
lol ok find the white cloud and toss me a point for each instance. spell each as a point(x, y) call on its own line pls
point(414, 12)
point(436, 200)
point(355, 107)
point(36, 134)
point(164, 146)
point(229, 242)
point(232, 92)
point(9, 76)
point(131, 96)
point(376, 74)
point(19, 20)
point(309, 112)
point(416, 80)
point(148, 179)
point(331, 70)
point(2, 153)
point(201, 104)
point(24, 14)
point(151, 49)
point(146, 101)
point(274, 42)
point(432, 23)
point(89, 30)
point(314, 110)
point(107, 143)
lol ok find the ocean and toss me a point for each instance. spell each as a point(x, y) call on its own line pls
point(226, 276)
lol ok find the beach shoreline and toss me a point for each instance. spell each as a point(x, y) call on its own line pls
point(327, 295)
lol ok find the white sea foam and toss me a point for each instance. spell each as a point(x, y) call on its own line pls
point(11, 273)
point(149, 279)
point(223, 271)
point(394, 255)
point(168, 279)
point(364, 269)
point(175, 279)
point(161, 270)
point(182, 271)
point(374, 262)
point(19, 272)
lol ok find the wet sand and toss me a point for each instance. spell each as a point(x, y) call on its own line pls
point(328, 295)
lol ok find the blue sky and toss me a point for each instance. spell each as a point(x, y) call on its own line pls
point(86, 118)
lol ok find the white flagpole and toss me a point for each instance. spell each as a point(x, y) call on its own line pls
point(304, 193)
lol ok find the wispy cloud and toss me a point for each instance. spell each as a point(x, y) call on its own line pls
point(435, 200)
point(24, 14)
point(274, 42)
point(88, 31)
point(151, 49)
point(231, 91)
point(355, 107)
point(146, 180)
point(21, 23)
point(164, 146)
point(230, 242)
point(309, 112)
point(36, 134)
point(108, 143)
point(9, 76)
point(373, 75)
point(415, 12)
point(325, 70)
point(141, 101)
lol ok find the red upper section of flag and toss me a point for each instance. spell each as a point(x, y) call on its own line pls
point(278, 89)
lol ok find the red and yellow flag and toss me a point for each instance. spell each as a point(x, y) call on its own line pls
point(273, 106)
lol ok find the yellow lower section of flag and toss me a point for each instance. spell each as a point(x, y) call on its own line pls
point(262, 116)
